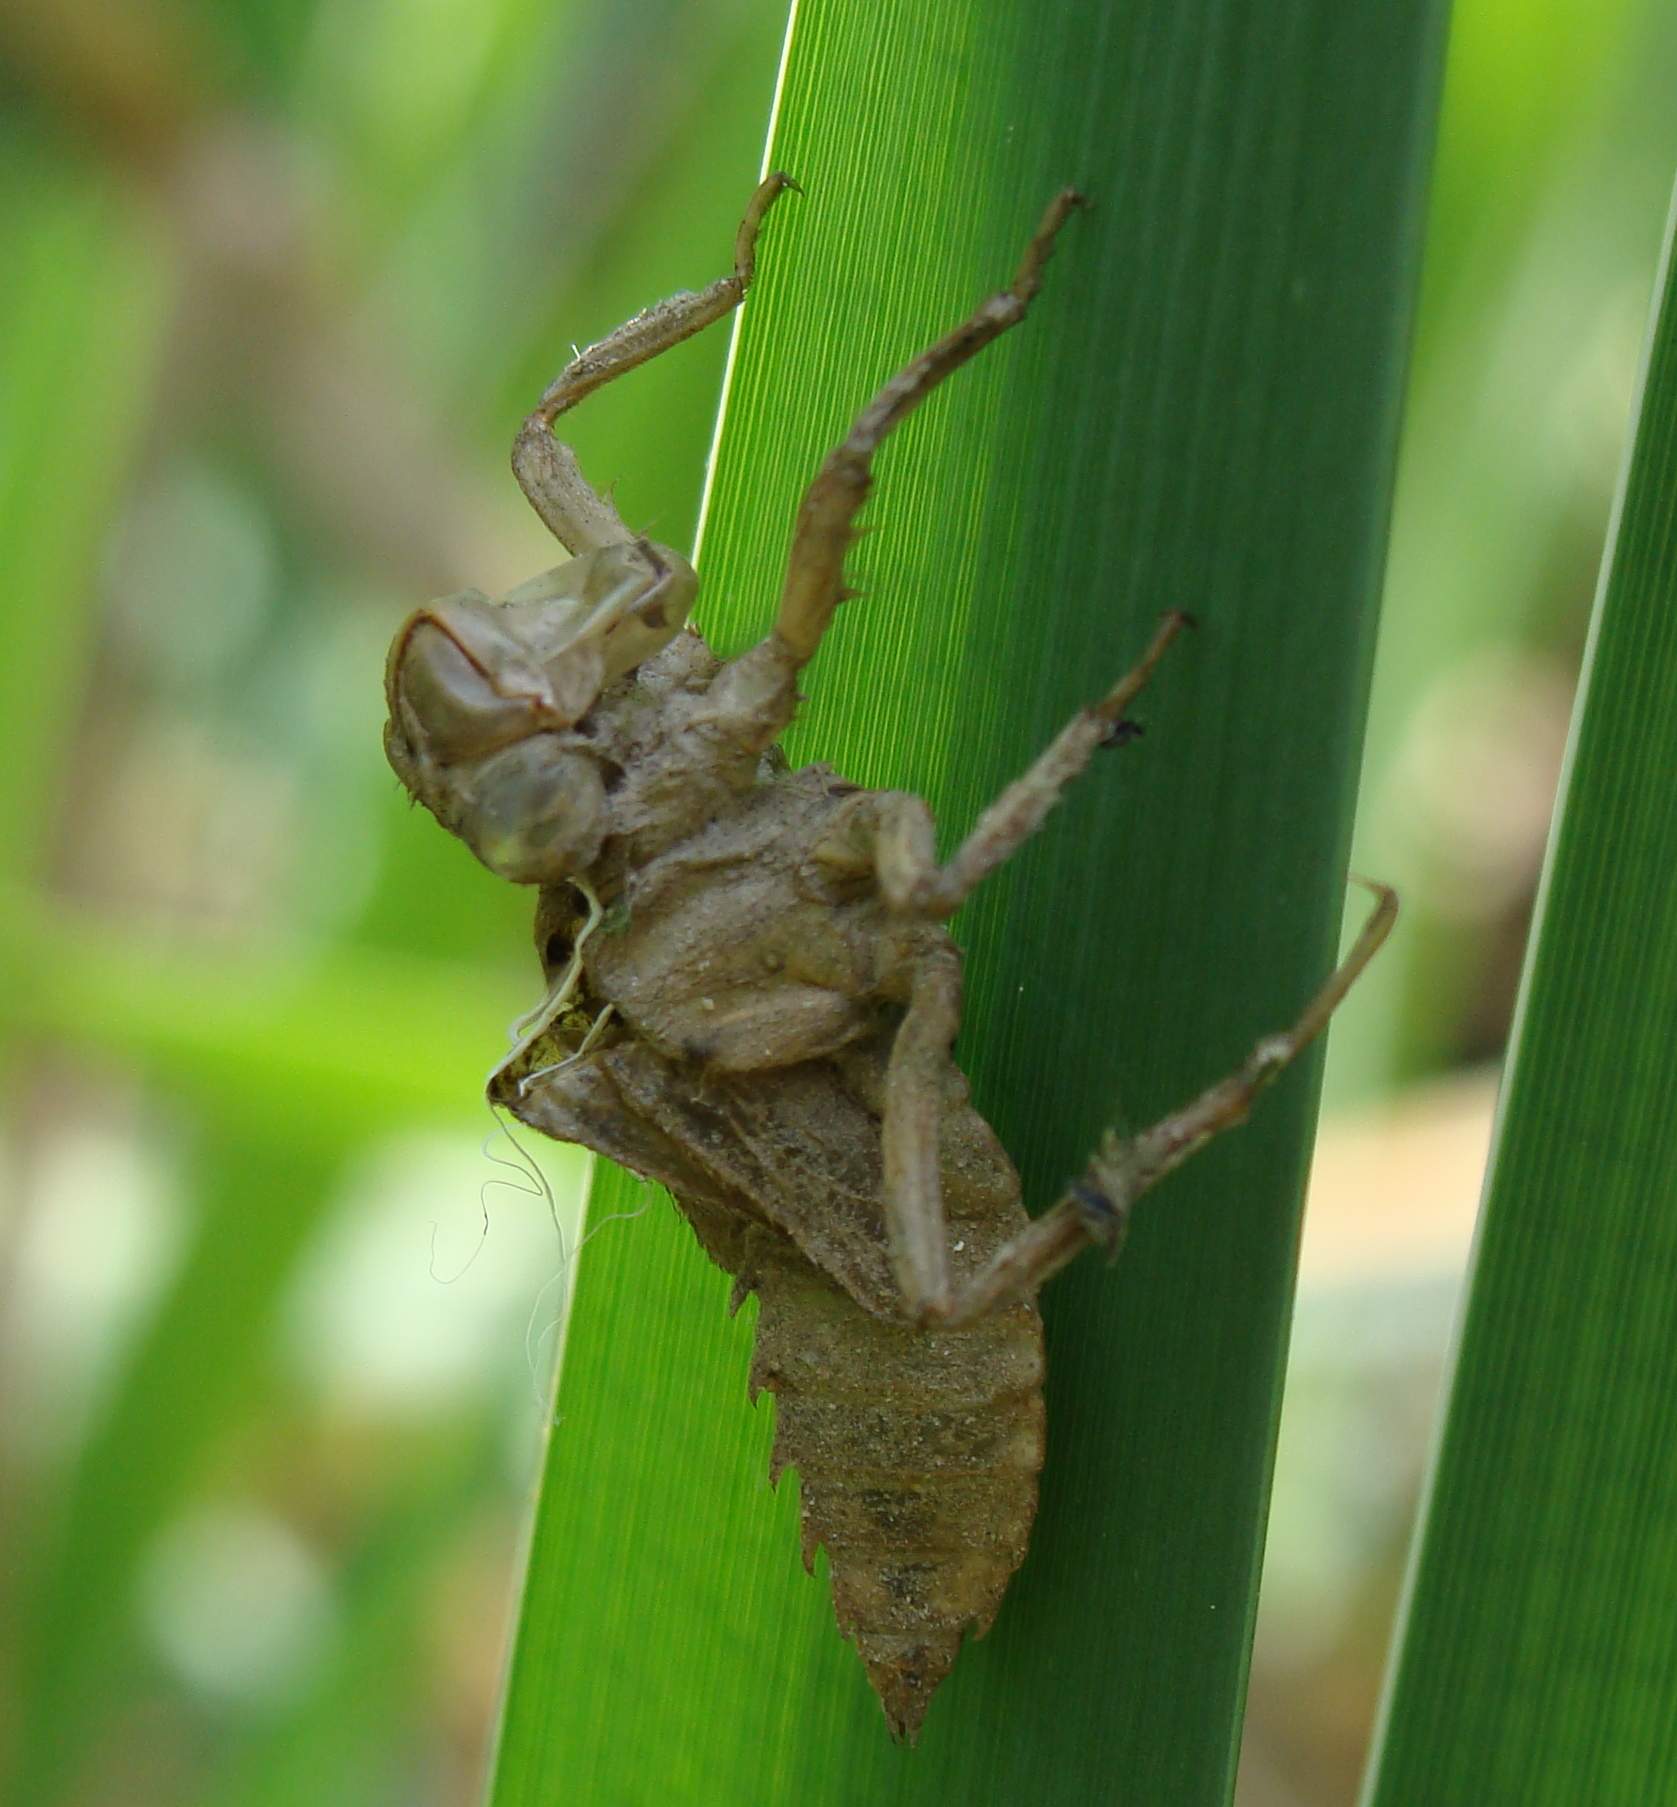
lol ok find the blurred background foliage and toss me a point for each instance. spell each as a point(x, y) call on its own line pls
point(280, 279)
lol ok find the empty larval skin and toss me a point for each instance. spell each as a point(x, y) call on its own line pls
point(752, 999)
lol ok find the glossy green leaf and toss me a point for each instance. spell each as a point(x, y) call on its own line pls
point(1538, 1661)
point(1201, 412)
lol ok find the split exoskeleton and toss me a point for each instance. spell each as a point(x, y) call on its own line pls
point(752, 997)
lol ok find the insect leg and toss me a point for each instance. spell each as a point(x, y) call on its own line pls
point(757, 690)
point(914, 1224)
point(580, 518)
point(905, 852)
point(826, 520)
point(1094, 1211)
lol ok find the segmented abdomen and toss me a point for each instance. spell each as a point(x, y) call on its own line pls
point(917, 1453)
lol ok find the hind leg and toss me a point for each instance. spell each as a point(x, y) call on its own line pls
point(1094, 1211)
point(579, 516)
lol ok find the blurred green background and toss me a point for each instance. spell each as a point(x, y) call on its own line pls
point(280, 279)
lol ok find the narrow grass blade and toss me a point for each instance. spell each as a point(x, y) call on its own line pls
point(1538, 1659)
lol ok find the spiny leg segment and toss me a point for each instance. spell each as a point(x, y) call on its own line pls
point(756, 693)
point(905, 847)
point(826, 521)
point(578, 516)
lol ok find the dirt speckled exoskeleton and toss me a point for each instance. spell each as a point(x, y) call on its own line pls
point(752, 997)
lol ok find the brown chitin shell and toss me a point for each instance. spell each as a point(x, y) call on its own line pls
point(917, 1451)
point(917, 1455)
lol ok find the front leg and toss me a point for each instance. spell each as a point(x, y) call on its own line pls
point(1094, 1210)
point(580, 518)
point(827, 519)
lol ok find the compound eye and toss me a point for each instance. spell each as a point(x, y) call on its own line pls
point(452, 707)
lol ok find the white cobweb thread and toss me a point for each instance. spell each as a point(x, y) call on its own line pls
point(528, 1178)
point(564, 1276)
point(530, 1182)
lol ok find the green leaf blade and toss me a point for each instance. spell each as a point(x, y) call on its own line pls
point(1200, 412)
point(1539, 1642)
